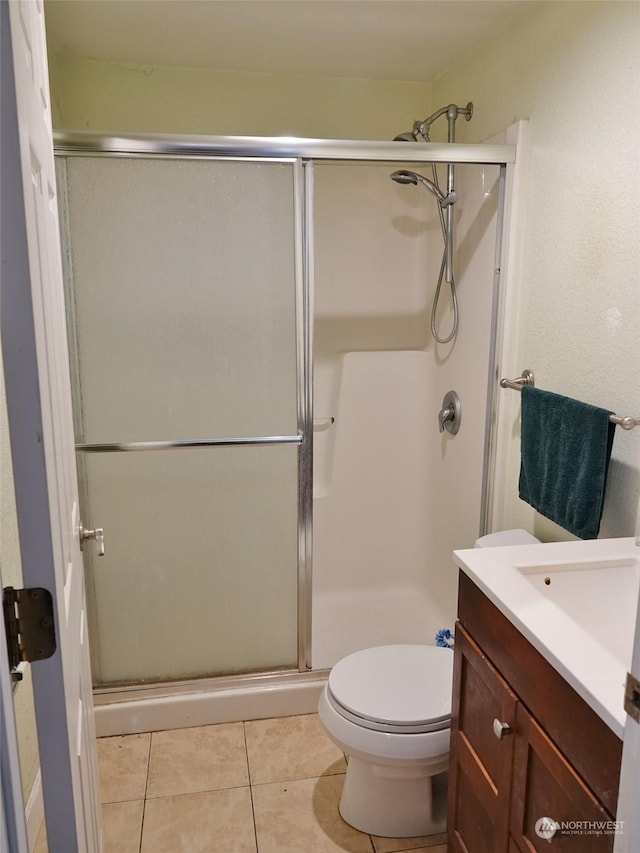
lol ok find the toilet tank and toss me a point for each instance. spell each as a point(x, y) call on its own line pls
point(506, 537)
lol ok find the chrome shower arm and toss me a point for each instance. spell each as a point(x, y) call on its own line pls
point(422, 127)
point(452, 111)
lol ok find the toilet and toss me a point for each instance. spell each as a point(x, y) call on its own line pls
point(389, 709)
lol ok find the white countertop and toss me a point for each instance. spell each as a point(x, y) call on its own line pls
point(576, 603)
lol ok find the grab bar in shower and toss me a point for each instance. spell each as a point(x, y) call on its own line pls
point(128, 446)
point(527, 378)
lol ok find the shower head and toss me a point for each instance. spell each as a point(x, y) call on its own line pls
point(410, 135)
point(404, 176)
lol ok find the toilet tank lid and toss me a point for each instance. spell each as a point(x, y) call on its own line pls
point(402, 684)
point(506, 537)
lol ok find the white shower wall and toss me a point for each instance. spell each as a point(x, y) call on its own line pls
point(392, 495)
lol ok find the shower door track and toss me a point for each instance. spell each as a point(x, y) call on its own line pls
point(161, 689)
point(222, 147)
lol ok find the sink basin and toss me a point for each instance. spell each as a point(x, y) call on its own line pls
point(599, 595)
point(576, 602)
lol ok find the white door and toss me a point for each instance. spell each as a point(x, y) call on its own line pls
point(33, 332)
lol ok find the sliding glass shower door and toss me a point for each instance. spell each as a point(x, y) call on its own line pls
point(185, 322)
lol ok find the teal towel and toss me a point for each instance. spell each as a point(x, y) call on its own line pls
point(565, 451)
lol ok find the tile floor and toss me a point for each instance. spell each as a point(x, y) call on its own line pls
point(264, 786)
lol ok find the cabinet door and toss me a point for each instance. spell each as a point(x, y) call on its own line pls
point(480, 769)
point(546, 786)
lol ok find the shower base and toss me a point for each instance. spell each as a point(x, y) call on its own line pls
point(205, 702)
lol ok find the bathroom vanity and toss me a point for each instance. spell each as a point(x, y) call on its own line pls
point(528, 751)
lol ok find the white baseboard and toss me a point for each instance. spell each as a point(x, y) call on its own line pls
point(34, 812)
point(206, 707)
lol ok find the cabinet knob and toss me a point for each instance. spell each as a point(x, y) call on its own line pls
point(501, 729)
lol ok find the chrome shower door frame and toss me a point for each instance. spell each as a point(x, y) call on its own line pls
point(303, 153)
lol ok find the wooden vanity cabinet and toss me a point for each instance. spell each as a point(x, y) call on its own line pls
point(524, 744)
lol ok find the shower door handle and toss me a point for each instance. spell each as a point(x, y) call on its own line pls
point(96, 535)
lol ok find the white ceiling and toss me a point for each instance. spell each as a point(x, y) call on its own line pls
point(411, 40)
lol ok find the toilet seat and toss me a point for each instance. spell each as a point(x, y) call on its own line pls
point(400, 689)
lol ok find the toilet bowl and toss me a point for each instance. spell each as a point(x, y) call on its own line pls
point(389, 709)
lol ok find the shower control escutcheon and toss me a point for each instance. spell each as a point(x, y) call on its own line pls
point(96, 535)
point(450, 414)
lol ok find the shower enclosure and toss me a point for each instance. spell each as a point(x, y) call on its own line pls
point(201, 398)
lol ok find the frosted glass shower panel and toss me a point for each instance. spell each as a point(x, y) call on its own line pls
point(200, 571)
point(184, 297)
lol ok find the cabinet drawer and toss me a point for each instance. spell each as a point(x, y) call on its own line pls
point(546, 786)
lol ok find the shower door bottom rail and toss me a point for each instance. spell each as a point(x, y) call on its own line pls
point(131, 446)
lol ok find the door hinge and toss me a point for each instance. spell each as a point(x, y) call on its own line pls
point(632, 697)
point(29, 625)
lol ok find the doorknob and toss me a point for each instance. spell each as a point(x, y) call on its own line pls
point(97, 535)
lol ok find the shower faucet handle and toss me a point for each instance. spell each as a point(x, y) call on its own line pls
point(450, 415)
point(97, 535)
point(445, 416)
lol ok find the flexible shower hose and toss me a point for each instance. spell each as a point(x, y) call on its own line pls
point(452, 284)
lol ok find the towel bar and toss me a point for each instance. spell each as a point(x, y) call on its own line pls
point(527, 378)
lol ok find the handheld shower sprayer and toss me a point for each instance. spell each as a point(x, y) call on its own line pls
point(404, 176)
point(445, 202)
